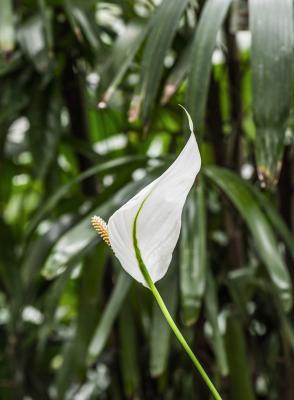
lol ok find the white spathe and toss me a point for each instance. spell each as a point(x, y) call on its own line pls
point(159, 221)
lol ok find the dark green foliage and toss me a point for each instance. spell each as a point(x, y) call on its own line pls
point(89, 116)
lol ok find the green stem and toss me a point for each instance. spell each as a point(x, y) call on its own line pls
point(166, 313)
point(183, 342)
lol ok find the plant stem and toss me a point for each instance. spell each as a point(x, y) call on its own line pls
point(166, 313)
point(183, 342)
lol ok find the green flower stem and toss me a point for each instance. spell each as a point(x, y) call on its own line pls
point(183, 342)
point(166, 313)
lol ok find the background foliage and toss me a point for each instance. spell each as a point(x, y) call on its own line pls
point(89, 114)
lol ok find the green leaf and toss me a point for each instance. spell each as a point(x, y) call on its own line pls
point(82, 20)
point(82, 235)
point(271, 25)
point(9, 271)
point(242, 283)
point(240, 386)
point(121, 57)
point(275, 219)
point(52, 298)
point(104, 167)
point(7, 34)
point(210, 22)
point(71, 245)
point(47, 14)
point(286, 324)
point(212, 312)
point(109, 315)
point(177, 74)
point(45, 128)
point(39, 249)
point(164, 25)
point(128, 350)
point(31, 37)
point(241, 195)
point(160, 330)
point(74, 359)
point(193, 255)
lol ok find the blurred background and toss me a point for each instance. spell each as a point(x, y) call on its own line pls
point(89, 94)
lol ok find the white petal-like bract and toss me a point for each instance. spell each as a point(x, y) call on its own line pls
point(159, 221)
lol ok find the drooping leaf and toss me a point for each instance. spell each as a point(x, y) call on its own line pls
point(275, 219)
point(107, 166)
point(82, 234)
point(266, 245)
point(39, 249)
point(271, 25)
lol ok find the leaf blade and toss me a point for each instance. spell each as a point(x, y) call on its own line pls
point(7, 33)
point(111, 311)
point(210, 22)
point(193, 256)
point(164, 25)
point(271, 25)
point(266, 245)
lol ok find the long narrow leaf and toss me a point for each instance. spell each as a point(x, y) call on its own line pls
point(128, 350)
point(275, 219)
point(241, 387)
point(45, 129)
point(7, 34)
point(110, 313)
point(165, 24)
point(210, 22)
point(193, 256)
point(75, 352)
point(266, 244)
point(122, 55)
point(178, 73)
point(82, 235)
point(107, 166)
point(39, 249)
point(82, 20)
point(32, 40)
point(211, 305)
point(271, 25)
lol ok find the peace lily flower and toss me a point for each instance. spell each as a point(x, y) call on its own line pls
point(144, 232)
